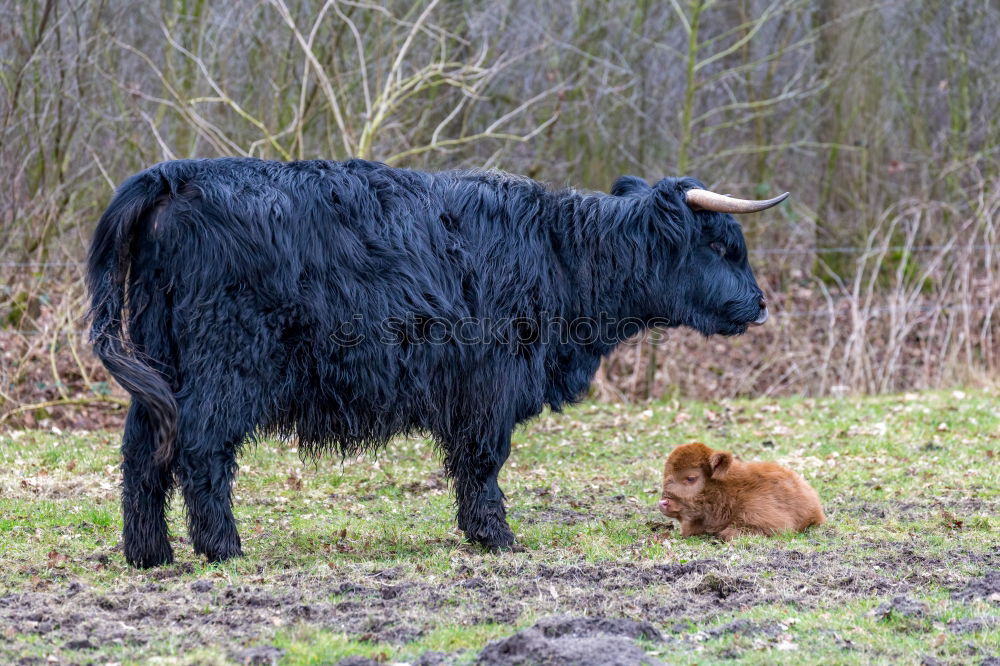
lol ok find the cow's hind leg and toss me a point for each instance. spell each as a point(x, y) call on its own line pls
point(481, 512)
point(145, 489)
point(206, 466)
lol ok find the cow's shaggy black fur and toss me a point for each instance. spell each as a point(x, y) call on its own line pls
point(350, 302)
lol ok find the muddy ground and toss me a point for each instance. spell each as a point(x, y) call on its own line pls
point(396, 606)
point(362, 559)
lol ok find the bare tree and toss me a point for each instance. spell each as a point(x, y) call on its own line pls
point(878, 116)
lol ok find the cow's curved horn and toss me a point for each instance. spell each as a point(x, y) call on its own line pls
point(721, 203)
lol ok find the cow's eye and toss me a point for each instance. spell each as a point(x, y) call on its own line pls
point(692, 479)
point(718, 248)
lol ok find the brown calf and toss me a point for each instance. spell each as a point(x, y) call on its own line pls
point(710, 492)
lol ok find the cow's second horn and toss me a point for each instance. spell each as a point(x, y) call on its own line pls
point(720, 203)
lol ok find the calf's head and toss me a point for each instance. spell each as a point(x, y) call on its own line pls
point(687, 472)
point(706, 283)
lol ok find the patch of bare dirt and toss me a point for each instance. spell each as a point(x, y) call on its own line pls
point(968, 625)
point(261, 655)
point(397, 606)
point(574, 641)
point(744, 627)
point(987, 587)
point(901, 607)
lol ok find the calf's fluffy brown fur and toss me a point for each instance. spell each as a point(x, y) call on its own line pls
point(710, 492)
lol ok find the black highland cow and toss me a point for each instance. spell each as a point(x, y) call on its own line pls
point(350, 302)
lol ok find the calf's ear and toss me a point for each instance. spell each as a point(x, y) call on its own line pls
point(719, 463)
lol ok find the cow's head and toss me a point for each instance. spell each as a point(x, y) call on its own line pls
point(708, 285)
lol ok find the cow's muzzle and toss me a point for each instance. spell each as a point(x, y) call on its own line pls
point(762, 317)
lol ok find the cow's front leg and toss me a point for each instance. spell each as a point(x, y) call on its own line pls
point(481, 512)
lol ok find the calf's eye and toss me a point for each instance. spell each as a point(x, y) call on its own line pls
point(718, 248)
point(692, 479)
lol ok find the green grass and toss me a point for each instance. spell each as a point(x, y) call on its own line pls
point(362, 557)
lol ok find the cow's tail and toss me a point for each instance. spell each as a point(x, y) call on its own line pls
point(109, 264)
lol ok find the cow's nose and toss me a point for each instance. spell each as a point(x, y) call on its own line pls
point(762, 317)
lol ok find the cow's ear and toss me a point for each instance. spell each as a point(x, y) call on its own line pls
point(718, 464)
point(627, 185)
point(674, 219)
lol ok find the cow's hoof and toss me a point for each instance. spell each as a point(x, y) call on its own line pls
point(222, 554)
point(494, 538)
point(155, 557)
point(222, 557)
point(219, 549)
